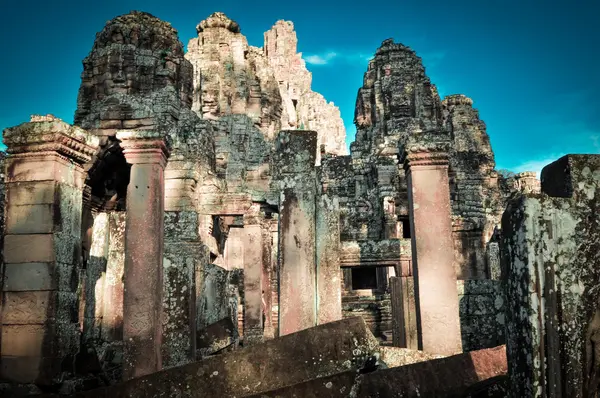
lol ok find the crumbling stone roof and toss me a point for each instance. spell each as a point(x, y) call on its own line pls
point(218, 20)
point(142, 30)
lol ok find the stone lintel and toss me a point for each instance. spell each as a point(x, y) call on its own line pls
point(51, 135)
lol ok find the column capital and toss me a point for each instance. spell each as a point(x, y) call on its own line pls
point(144, 147)
point(426, 154)
point(49, 134)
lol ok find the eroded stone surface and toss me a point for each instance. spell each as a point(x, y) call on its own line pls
point(318, 352)
point(453, 376)
point(550, 256)
point(270, 85)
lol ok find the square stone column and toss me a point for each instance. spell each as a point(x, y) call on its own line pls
point(253, 284)
point(436, 299)
point(184, 255)
point(184, 258)
point(296, 178)
point(257, 276)
point(329, 273)
point(143, 275)
point(404, 322)
point(42, 248)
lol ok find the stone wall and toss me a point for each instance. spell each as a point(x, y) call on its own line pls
point(482, 318)
point(550, 264)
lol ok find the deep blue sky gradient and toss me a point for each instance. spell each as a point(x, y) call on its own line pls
point(531, 67)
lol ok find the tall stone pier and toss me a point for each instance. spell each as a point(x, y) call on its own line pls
point(42, 248)
point(253, 279)
point(329, 273)
point(550, 253)
point(296, 177)
point(438, 326)
point(143, 277)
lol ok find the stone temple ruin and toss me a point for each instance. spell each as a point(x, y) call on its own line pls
point(201, 231)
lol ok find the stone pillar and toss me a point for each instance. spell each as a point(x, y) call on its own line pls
point(234, 249)
point(142, 299)
point(112, 316)
point(274, 303)
point(42, 248)
point(295, 168)
point(404, 321)
point(267, 275)
point(329, 273)
point(432, 248)
point(95, 278)
point(257, 275)
point(253, 286)
point(551, 270)
point(184, 257)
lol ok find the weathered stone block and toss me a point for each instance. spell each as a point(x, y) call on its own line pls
point(181, 226)
point(31, 219)
point(51, 340)
point(50, 167)
point(453, 376)
point(216, 337)
point(39, 276)
point(317, 352)
point(29, 248)
point(393, 357)
point(39, 307)
point(31, 193)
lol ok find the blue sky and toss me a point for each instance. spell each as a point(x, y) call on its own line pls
point(531, 67)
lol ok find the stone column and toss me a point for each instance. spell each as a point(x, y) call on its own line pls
point(143, 277)
point(112, 316)
point(329, 273)
point(257, 276)
point(404, 322)
point(551, 271)
point(184, 258)
point(267, 275)
point(42, 248)
point(432, 248)
point(253, 286)
point(295, 168)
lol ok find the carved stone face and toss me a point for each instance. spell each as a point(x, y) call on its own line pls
point(135, 54)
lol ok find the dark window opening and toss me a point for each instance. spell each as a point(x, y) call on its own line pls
point(295, 102)
point(364, 278)
point(405, 228)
